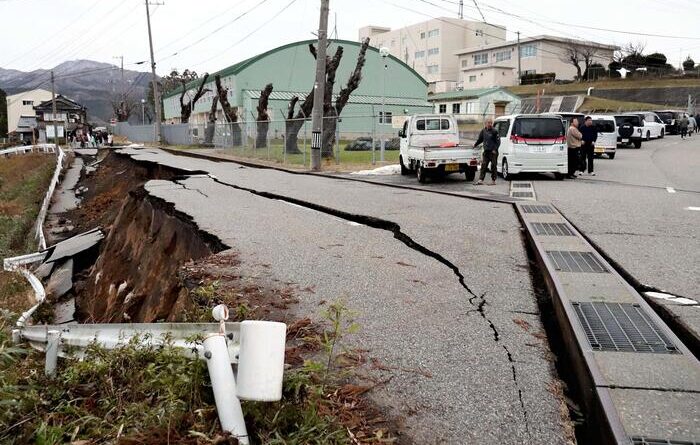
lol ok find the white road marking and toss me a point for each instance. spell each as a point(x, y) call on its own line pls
point(670, 190)
point(697, 209)
point(672, 298)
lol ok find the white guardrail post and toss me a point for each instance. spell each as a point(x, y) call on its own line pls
point(47, 199)
point(257, 347)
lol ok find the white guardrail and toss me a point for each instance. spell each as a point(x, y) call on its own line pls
point(257, 347)
point(47, 200)
point(46, 148)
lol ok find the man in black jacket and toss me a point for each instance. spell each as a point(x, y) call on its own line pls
point(491, 140)
point(590, 135)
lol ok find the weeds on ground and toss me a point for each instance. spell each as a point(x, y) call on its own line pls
point(151, 395)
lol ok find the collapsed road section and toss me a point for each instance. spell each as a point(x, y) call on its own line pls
point(440, 287)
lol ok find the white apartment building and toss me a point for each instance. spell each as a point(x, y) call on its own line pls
point(496, 64)
point(22, 105)
point(430, 47)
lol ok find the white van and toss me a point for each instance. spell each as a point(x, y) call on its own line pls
point(531, 143)
point(607, 135)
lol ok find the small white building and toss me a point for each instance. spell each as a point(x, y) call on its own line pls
point(429, 47)
point(21, 105)
point(474, 105)
point(496, 64)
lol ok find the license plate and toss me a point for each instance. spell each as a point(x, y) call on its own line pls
point(624, 141)
point(451, 167)
point(538, 148)
point(600, 150)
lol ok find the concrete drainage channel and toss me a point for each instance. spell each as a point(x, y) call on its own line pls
point(639, 383)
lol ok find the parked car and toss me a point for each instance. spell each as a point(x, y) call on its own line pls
point(607, 135)
point(670, 119)
point(567, 117)
point(430, 146)
point(629, 130)
point(654, 127)
point(531, 143)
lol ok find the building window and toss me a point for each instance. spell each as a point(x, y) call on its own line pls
point(465, 63)
point(455, 108)
point(472, 78)
point(422, 35)
point(502, 55)
point(385, 117)
point(433, 33)
point(419, 54)
point(27, 102)
point(433, 51)
point(472, 107)
point(481, 59)
point(528, 50)
point(433, 69)
point(442, 108)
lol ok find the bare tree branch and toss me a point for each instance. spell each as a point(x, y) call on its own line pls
point(231, 113)
point(354, 80)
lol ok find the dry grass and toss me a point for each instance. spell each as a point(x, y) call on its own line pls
point(598, 104)
point(610, 84)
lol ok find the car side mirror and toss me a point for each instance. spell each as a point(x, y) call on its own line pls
point(402, 134)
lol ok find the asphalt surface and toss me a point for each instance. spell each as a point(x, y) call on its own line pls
point(456, 376)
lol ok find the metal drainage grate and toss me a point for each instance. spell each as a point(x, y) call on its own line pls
point(521, 185)
point(553, 229)
point(521, 194)
point(648, 441)
point(537, 209)
point(574, 261)
point(621, 327)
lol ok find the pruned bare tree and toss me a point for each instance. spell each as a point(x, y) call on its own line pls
point(187, 107)
point(263, 118)
point(331, 111)
point(211, 126)
point(230, 113)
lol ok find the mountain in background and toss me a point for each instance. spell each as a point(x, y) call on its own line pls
point(92, 84)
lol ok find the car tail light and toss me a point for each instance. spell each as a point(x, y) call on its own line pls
point(517, 139)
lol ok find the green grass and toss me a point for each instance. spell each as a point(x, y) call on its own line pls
point(598, 104)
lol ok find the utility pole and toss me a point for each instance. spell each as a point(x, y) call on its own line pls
point(461, 9)
point(121, 58)
point(156, 93)
point(319, 89)
point(519, 73)
point(53, 110)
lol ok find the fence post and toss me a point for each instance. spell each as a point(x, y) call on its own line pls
point(337, 140)
point(224, 387)
point(53, 339)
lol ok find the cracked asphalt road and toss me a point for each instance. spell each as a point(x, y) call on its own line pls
point(458, 375)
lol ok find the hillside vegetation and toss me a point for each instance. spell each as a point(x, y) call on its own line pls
point(608, 84)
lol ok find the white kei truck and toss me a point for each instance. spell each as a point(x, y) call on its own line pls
point(430, 147)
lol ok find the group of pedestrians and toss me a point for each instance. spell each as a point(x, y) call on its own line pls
point(88, 138)
point(580, 140)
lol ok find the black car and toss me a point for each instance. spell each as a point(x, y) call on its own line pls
point(670, 118)
point(629, 129)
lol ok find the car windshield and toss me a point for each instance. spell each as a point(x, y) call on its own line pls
point(632, 120)
point(538, 127)
point(433, 124)
point(604, 126)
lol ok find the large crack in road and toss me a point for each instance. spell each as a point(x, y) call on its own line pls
point(479, 302)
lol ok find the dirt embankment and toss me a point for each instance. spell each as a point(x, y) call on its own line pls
point(136, 275)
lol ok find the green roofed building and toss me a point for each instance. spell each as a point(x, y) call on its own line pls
point(291, 69)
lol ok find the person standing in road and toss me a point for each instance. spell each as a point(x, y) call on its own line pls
point(573, 142)
point(683, 126)
point(589, 135)
point(492, 140)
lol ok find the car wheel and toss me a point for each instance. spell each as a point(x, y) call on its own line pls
point(637, 144)
point(404, 170)
point(661, 135)
point(559, 176)
point(420, 173)
point(504, 170)
point(611, 155)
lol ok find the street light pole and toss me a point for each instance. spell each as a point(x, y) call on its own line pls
point(319, 89)
point(384, 52)
point(53, 111)
point(143, 111)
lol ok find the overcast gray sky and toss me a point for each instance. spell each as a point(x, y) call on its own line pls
point(206, 35)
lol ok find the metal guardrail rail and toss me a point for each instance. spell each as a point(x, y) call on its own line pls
point(256, 347)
